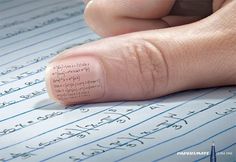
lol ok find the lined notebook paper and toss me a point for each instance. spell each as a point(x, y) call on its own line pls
point(178, 127)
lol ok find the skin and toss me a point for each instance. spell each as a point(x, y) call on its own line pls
point(156, 47)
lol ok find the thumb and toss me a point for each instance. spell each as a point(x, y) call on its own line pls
point(148, 64)
point(119, 68)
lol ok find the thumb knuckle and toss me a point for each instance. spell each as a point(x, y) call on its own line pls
point(151, 67)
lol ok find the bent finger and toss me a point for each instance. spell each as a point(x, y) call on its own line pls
point(147, 64)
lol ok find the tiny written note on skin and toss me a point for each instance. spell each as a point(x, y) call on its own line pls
point(76, 80)
point(178, 127)
point(62, 79)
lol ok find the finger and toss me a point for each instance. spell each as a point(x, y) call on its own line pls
point(147, 64)
point(133, 8)
point(120, 69)
point(217, 4)
point(116, 17)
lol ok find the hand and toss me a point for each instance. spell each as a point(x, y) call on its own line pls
point(183, 47)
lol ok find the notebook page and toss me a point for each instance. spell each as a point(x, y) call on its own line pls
point(178, 127)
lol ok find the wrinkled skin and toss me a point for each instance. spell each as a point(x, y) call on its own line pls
point(164, 47)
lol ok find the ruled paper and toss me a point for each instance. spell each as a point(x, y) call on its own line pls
point(178, 127)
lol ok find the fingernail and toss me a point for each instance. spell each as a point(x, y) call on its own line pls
point(76, 79)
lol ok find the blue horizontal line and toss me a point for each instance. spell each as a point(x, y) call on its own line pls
point(46, 49)
point(26, 65)
point(21, 88)
point(33, 28)
point(74, 148)
point(16, 102)
point(192, 130)
point(153, 133)
point(53, 29)
point(31, 74)
point(61, 34)
point(174, 137)
point(69, 110)
point(19, 79)
point(27, 111)
point(225, 130)
point(47, 5)
point(91, 128)
point(25, 3)
point(59, 127)
point(216, 152)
